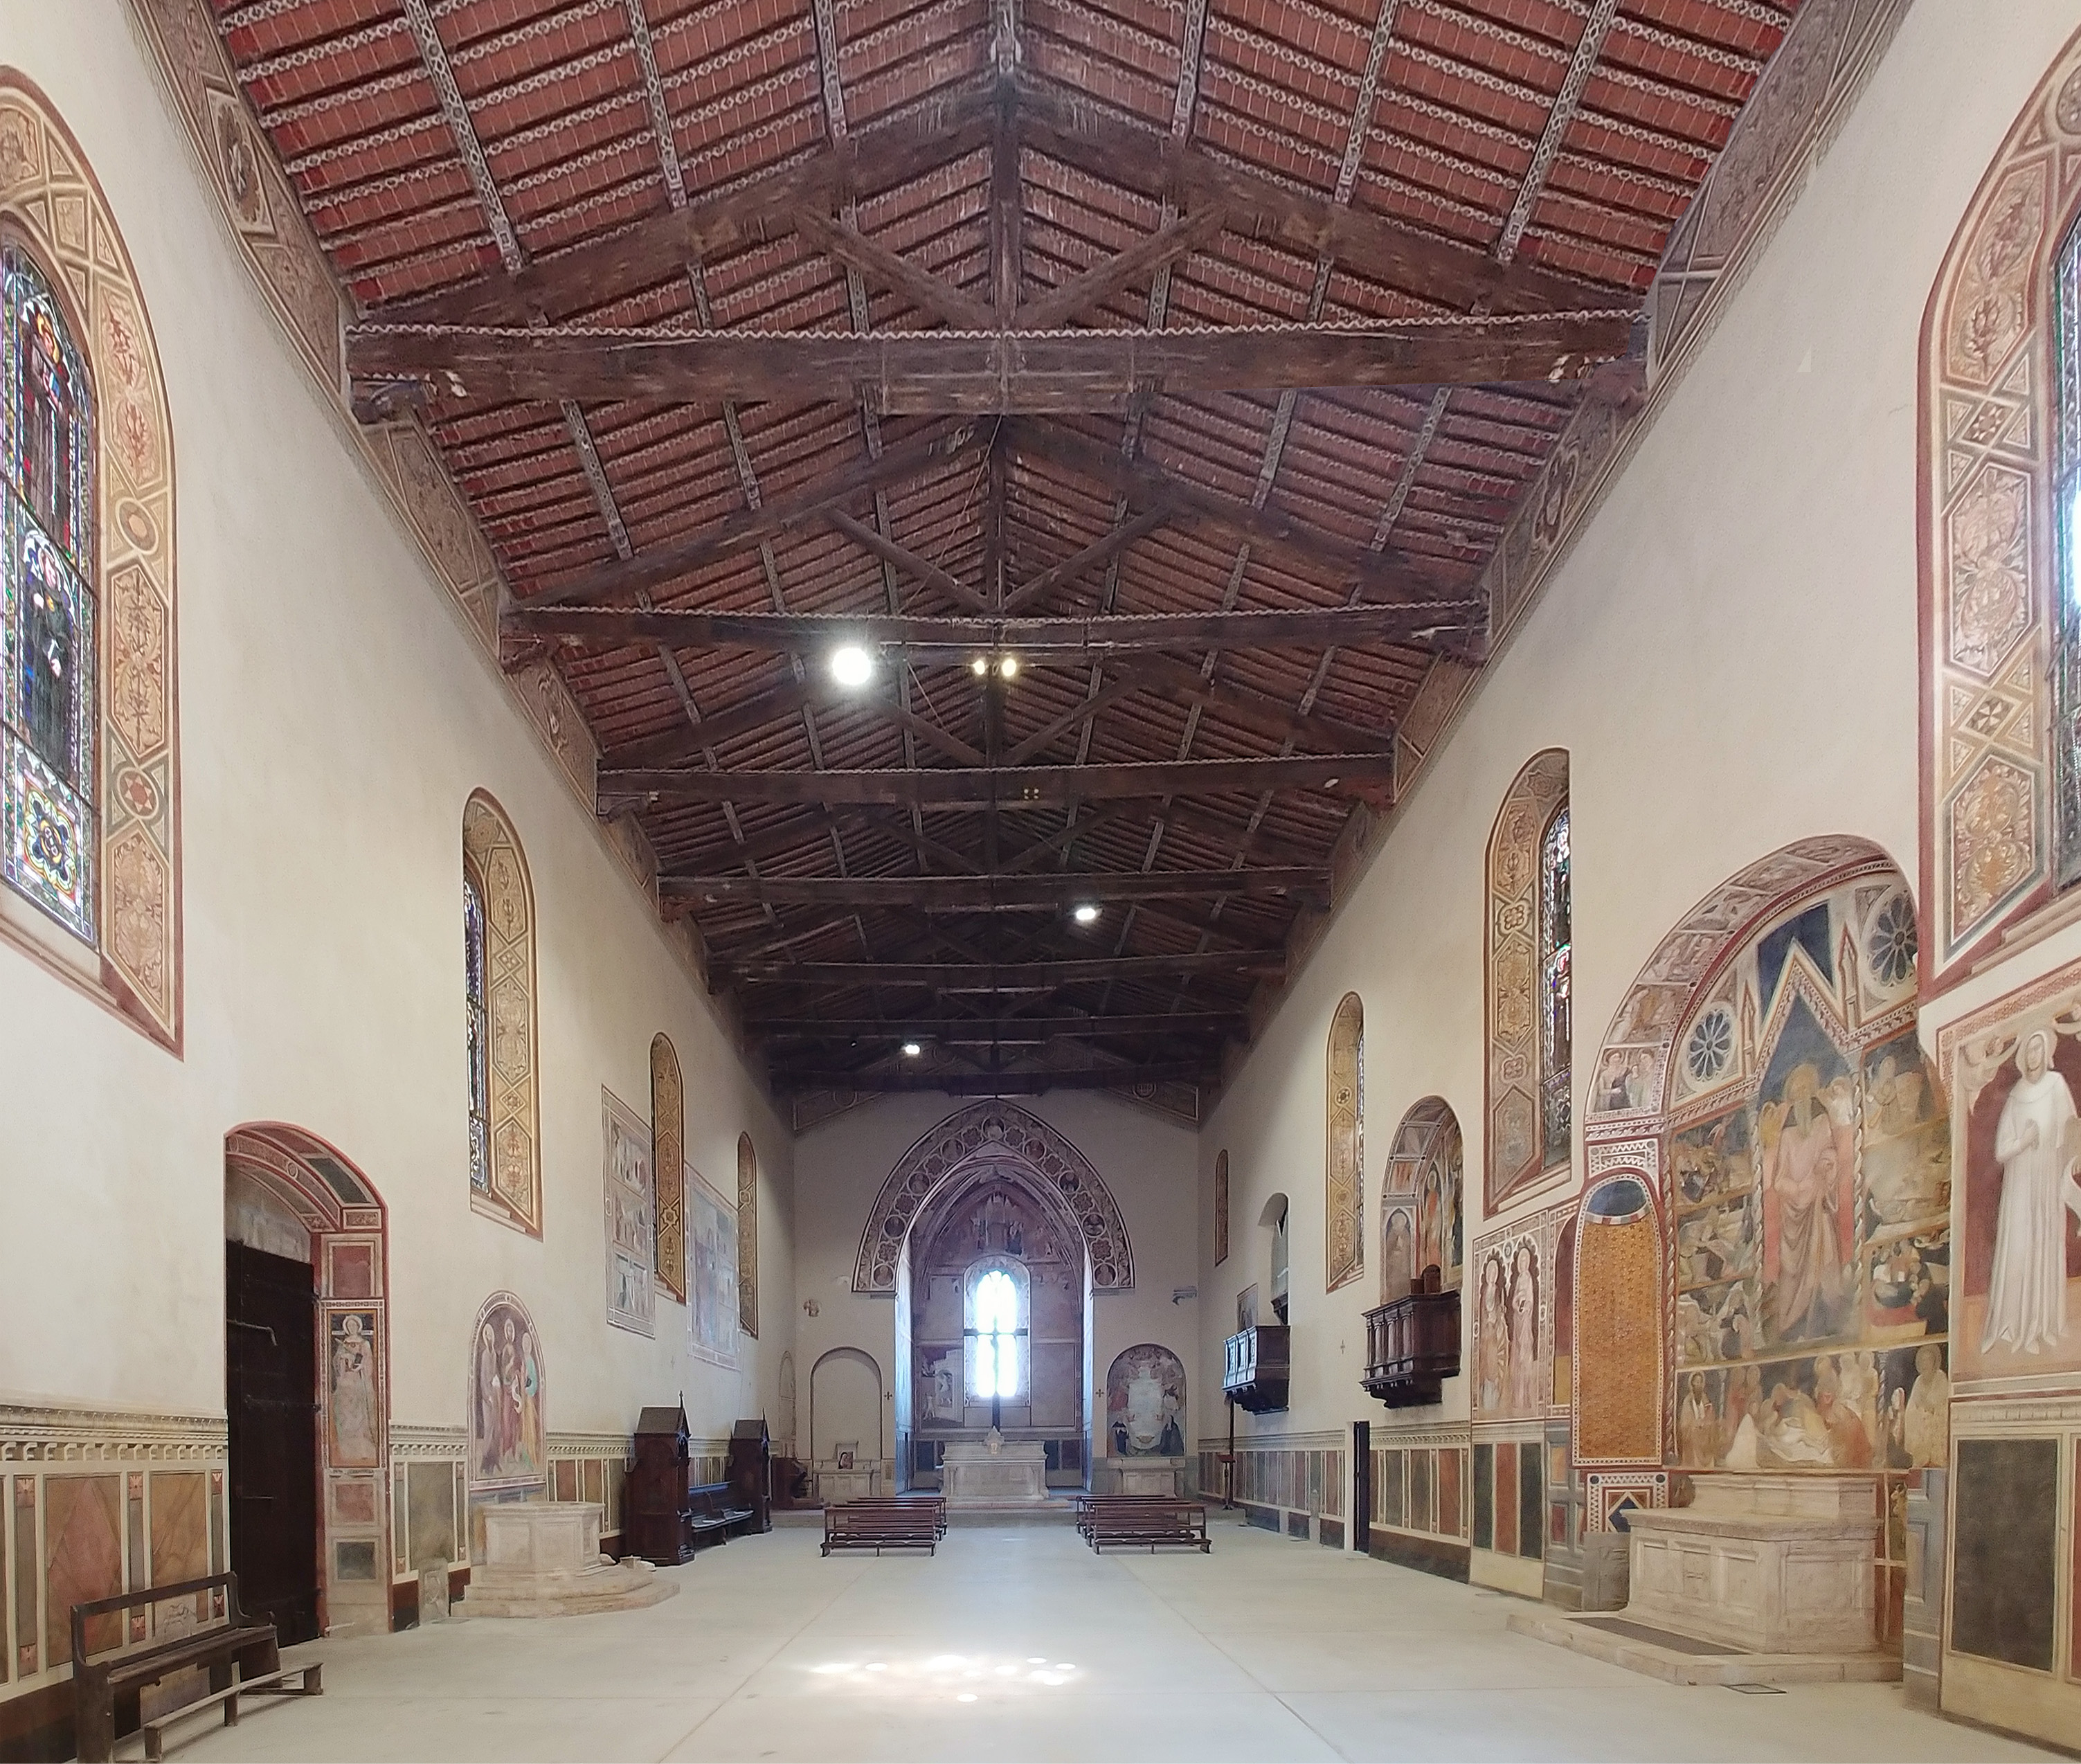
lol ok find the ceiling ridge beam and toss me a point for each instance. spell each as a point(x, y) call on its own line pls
point(933, 892)
point(995, 787)
point(991, 976)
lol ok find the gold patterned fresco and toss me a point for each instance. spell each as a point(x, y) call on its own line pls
point(47, 191)
point(1344, 1150)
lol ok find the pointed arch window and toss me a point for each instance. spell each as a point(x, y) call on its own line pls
point(1557, 998)
point(48, 709)
point(477, 1009)
point(997, 1331)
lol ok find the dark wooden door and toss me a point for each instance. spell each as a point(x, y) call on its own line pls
point(1361, 1485)
point(271, 1311)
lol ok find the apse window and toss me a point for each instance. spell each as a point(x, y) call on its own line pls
point(997, 1335)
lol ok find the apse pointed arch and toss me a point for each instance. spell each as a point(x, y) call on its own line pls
point(971, 1140)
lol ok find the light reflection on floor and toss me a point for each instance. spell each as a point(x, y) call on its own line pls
point(959, 1678)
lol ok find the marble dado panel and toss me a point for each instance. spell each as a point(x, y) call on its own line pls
point(435, 1514)
point(95, 1502)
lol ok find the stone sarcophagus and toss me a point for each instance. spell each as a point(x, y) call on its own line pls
point(1775, 1565)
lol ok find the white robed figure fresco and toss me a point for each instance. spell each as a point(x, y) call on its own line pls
point(2037, 1142)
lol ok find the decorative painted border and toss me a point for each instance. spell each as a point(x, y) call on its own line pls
point(1343, 1175)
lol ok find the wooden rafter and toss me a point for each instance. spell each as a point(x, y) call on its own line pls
point(993, 892)
point(985, 786)
point(959, 636)
point(922, 373)
point(1024, 1083)
point(986, 976)
point(1006, 1031)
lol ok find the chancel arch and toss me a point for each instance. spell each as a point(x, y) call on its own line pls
point(498, 947)
point(90, 777)
point(1763, 1091)
point(1423, 1202)
point(308, 1380)
point(1529, 950)
point(994, 1132)
point(1344, 1155)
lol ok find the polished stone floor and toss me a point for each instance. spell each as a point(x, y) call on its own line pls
point(1017, 1642)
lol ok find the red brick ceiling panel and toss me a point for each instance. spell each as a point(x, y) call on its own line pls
point(1449, 126)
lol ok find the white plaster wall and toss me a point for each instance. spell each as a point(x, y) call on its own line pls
point(1146, 1162)
point(335, 717)
point(1728, 655)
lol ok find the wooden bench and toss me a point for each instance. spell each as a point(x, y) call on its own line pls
point(1136, 1523)
point(716, 1520)
point(240, 1654)
point(937, 1503)
point(881, 1524)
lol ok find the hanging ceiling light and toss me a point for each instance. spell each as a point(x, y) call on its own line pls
point(1085, 914)
point(911, 1050)
point(852, 665)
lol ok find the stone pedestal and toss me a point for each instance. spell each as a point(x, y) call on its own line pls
point(1772, 1564)
point(542, 1559)
point(994, 1473)
point(1158, 1477)
point(834, 1487)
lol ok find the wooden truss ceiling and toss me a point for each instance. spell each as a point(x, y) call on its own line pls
point(1195, 355)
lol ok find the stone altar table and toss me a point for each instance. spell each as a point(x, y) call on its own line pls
point(993, 1472)
point(542, 1559)
point(1776, 1565)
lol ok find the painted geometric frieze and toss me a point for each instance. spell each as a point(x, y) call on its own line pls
point(509, 1189)
point(747, 1236)
point(1516, 1151)
point(1989, 430)
point(1345, 1148)
point(668, 1140)
point(49, 197)
point(992, 1133)
point(2012, 1070)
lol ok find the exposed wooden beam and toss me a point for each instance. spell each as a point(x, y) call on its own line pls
point(986, 1031)
point(962, 635)
point(1075, 717)
point(986, 787)
point(1067, 126)
point(882, 267)
point(656, 249)
point(1001, 976)
point(934, 372)
point(1101, 550)
point(930, 893)
point(1121, 1078)
point(747, 529)
point(1375, 576)
point(1137, 264)
point(919, 569)
point(1007, 243)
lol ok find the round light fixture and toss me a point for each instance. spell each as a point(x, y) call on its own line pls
point(980, 666)
point(1008, 667)
point(852, 665)
point(911, 1050)
point(1085, 914)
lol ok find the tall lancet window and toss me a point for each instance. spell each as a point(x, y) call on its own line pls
point(478, 1012)
point(47, 609)
point(1556, 992)
point(2066, 627)
point(996, 1333)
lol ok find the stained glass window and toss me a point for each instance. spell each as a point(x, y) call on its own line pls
point(1557, 1032)
point(994, 1340)
point(479, 1013)
point(46, 630)
point(2066, 660)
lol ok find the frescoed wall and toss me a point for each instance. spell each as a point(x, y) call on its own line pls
point(1146, 1404)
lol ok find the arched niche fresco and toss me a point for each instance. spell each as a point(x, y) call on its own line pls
point(1422, 1201)
point(1764, 1079)
point(987, 1133)
point(1529, 1064)
point(1145, 1403)
point(1615, 1301)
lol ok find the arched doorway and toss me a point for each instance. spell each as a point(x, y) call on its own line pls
point(307, 1383)
point(846, 1431)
